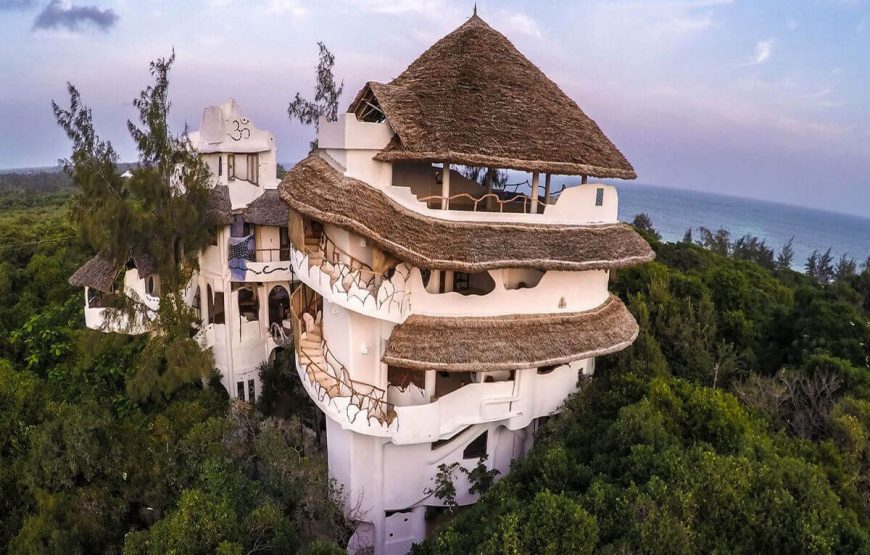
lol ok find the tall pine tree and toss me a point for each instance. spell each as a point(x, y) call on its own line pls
point(160, 211)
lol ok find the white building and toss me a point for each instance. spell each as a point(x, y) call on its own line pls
point(439, 318)
point(242, 289)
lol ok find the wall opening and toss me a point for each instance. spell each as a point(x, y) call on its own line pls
point(478, 283)
point(249, 304)
point(279, 305)
point(521, 278)
point(477, 448)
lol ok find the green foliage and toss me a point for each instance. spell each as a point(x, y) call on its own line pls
point(160, 211)
point(326, 95)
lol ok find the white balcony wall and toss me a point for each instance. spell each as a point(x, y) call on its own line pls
point(577, 291)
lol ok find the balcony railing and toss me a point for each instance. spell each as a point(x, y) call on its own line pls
point(324, 372)
point(353, 278)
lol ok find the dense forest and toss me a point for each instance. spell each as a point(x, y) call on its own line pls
point(738, 422)
point(86, 468)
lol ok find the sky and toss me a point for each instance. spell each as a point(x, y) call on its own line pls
point(754, 98)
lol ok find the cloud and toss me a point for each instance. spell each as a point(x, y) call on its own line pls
point(16, 4)
point(291, 7)
point(763, 51)
point(428, 8)
point(57, 15)
point(520, 23)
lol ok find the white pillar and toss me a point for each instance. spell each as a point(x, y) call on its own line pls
point(448, 281)
point(445, 186)
point(535, 180)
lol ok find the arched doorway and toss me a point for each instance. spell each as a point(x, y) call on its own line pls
point(279, 305)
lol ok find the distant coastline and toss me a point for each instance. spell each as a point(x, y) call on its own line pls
point(673, 211)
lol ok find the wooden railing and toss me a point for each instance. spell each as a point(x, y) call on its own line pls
point(337, 256)
point(518, 198)
point(362, 396)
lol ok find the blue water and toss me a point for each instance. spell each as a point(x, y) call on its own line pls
point(673, 211)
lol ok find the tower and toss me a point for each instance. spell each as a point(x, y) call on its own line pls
point(442, 313)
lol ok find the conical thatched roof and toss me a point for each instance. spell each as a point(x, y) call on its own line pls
point(267, 209)
point(315, 189)
point(514, 342)
point(474, 99)
point(97, 273)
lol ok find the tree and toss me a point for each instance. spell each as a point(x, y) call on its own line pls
point(846, 268)
point(820, 267)
point(326, 95)
point(786, 255)
point(160, 211)
point(643, 223)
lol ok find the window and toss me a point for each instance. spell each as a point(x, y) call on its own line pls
point(218, 311)
point(240, 390)
point(544, 370)
point(599, 197)
point(251, 391)
point(249, 304)
point(152, 287)
point(284, 241)
point(220, 165)
point(253, 163)
point(231, 166)
point(477, 448)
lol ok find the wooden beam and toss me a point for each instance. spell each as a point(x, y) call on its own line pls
point(547, 190)
point(535, 180)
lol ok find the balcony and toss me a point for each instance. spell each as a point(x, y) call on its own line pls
point(249, 264)
point(358, 406)
point(351, 283)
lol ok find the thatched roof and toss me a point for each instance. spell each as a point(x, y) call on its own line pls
point(317, 190)
point(510, 342)
point(474, 99)
point(267, 209)
point(145, 264)
point(97, 272)
point(220, 206)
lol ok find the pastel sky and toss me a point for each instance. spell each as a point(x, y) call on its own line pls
point(752, 98)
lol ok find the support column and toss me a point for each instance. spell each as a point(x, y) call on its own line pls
point(449, 278)
point(547, 191)
point(535, 180)
point(445, 186)
point(489, 199)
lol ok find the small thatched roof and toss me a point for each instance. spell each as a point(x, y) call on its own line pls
point(267, 209)
point(97, 273)
point(474, 99)
point(145, 264)
point(317, 190)
point(220, 205)
point(510, 342)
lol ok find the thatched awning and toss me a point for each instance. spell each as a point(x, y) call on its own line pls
point(510, 342)
point(220, 206)
point(267, 209)
point(145, 264)
point(97, 273)
point(317, 190)
point(474, 99)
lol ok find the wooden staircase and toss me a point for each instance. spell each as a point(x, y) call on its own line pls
point(316, 368)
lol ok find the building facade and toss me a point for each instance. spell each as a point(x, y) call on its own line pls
point(439, 316)
point(241, 291)
point(436, 314)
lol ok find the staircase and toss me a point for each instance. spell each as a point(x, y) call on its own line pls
point(316, 368)
point(329, 378)
point(324, 254)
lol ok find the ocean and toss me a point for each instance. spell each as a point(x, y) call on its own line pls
point(673, 211)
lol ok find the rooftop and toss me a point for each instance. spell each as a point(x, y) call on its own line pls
point(509, 342)
point(474, 99)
